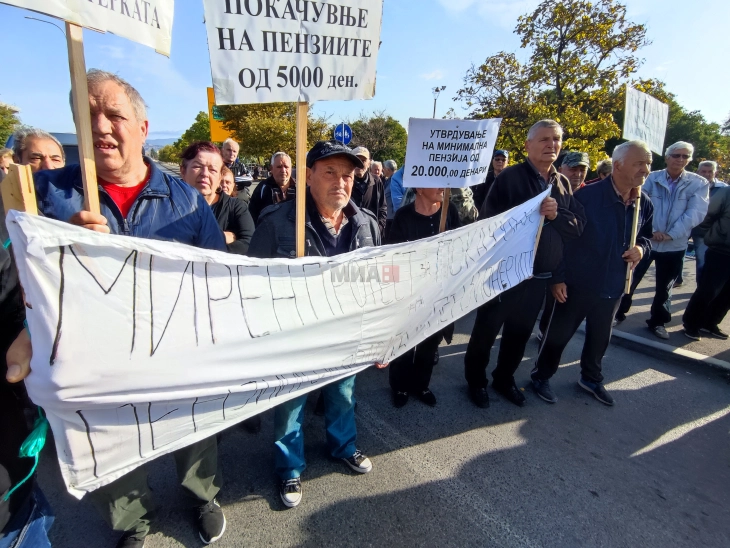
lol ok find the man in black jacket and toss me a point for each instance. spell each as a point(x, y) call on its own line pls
point(333, 225)
point(368, 191)
point(278, 187)
point(517, 308)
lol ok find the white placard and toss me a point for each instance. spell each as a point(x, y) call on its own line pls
point(645, 119)
point(148, 22)
point(449, 153)
point(264, 51)
point(141, 347)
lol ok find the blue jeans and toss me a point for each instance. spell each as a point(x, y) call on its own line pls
point(30, 525)
point(700, 250)
point(339, 420)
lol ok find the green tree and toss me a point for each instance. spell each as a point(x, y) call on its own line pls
point(9, 122)
point(580, 54)
point(199, 131)
point(265, 128)
point(382, 135)
point(169, 154)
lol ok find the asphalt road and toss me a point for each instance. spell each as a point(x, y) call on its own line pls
point(651, 471)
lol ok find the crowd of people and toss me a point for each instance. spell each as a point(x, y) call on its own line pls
point(354, 202)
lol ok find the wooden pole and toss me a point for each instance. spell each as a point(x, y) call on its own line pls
point(632, 243)
point(82, 117)
point(537, 238)
point(301, 182)
point(18, 190)
point(445, 209)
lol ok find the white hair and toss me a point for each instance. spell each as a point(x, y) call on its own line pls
point(21, 136)
point(605, 167)
point(279, 155)
point(374, 163)
point(679, 145)
point(547, 123)
point(620, 152)
point(391, 165)
point(710, 163)
point(96, 76)
point(229, 140)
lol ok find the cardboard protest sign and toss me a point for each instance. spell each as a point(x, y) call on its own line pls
point(292, 51)
point(147, 22)
point(449, 153)
point(141, 347)
point(645, 119)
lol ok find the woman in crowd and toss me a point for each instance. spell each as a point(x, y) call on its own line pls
point(201, 167)
point(410, 374)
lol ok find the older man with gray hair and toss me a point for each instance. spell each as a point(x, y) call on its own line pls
point(278, 187)
point(229, 151)
point(38, 149)
point(680, 201)
point(708, 170)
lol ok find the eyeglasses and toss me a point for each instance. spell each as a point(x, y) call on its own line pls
point(683, 156)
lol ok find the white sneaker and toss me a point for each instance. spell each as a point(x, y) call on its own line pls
point(290, 492)
point(359, 462)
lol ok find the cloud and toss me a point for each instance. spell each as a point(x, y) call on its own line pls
point(433, 75)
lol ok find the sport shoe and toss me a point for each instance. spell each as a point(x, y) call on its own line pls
point(400, 399)
point(542, 388)
point(290, 492)
point(479, 396)
point(359, 462)
point(131, 539)
point(660, 332)
point(693, 334)
point(427, 397)
point(211, 522)
point(597, 389)
point(716, 332)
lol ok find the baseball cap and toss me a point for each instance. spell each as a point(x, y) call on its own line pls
point(361, 151)
point(325, 149)
point(573, 159)
point(500, 152)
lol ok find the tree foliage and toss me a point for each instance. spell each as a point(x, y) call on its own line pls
point(580, 54)
point(382, 135)
point(262, 129)
point(9, 122)
point(199, 131)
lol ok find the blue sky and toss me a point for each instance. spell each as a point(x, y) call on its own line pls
point(425, 43)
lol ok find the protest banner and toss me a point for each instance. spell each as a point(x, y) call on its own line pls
point(148, 22)
point(141, 347)
point(293, 51)
point(449, 153)
point(645, 119)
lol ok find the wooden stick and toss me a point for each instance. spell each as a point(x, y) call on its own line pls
point(445, 209)
point(301, 183)
point(537, 238)
point(18, 191)
point(632, 243)
point(82, 117)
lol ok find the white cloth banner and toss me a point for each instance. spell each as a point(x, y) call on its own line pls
point(449, 153)
point(645, 119)
point(263, 51)
point(141, 347)
point(148, 22)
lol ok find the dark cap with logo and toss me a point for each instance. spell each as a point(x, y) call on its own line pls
point(325, 149)
point(574, 159)
point(500, 152)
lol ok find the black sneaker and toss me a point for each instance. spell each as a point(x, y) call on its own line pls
point(427, 397)
point(479, 396)
point(598, 391)
point(542, 389)
point(511, 392)
point(290, 492)
point(359, 462)
point(716, 332)
point(211, 522)
point(400, 399)
point(131, 539)
point(693, 334)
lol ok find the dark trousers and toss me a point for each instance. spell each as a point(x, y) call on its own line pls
point(412, 371)
point(668, 267)
point(711, 300)
point(515, 312)
point(598, 314)
point(127, 503)
point(547, 311)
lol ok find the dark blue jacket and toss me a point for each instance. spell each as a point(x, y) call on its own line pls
point(592, 263)
point(166, 209)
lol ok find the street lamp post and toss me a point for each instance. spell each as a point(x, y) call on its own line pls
point(436, 91)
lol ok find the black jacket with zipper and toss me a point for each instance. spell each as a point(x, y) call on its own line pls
point(519, 183)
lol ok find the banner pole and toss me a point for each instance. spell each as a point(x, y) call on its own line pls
point(301, 182)
point(632, 243)
point(445, 209)
point(82, 116)
point(18, 190)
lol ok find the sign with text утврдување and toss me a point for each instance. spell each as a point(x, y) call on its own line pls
point(147, 22)
point(265, 51)
point(645, 119)
point(449, 153)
